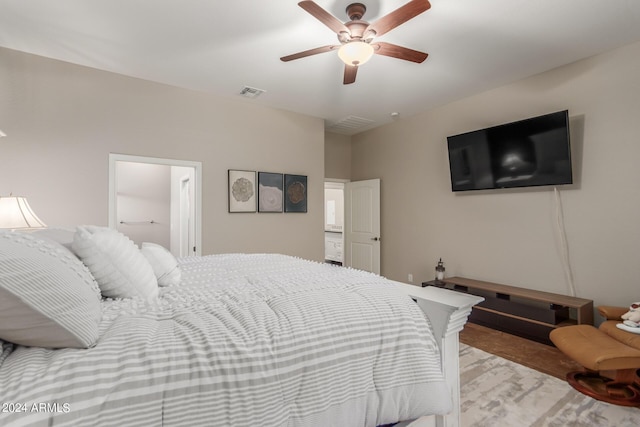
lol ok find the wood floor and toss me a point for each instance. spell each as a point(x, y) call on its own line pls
point(541, 357)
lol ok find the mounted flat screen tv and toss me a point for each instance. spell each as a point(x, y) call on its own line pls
point(526, 153)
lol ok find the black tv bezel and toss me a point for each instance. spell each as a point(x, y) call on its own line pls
point(565, 114)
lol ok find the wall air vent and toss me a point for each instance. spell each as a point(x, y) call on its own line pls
point(349, 125)
point(251, 92)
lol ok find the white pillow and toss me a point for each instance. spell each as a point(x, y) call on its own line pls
point(63, 236)
point(116, 263)
point(48, 298)
point(164, 264)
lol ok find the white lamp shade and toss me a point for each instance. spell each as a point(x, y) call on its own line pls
point(355, 53)
point(15, 213)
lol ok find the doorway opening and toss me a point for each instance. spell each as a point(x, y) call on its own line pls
point(157, 200)
point(334, 222)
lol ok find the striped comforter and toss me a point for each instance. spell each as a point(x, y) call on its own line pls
point(245, 340)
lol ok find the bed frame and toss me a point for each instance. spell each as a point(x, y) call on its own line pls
point(447, 311)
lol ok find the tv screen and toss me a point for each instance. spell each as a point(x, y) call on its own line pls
point(526, 153)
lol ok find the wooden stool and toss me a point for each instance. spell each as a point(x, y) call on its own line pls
point(610, 366)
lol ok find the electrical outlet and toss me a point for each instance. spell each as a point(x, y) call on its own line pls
point(410, 278)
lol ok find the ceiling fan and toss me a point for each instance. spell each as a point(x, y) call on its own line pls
point(356, 36)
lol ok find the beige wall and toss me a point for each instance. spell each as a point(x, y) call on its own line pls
point(337, 156)
point(63, 120)
point(510, 236)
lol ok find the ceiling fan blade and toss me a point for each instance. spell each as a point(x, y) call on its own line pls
point(309, 52)
point(397, 17)
point(323, 16)
point(350, 72)
point(395, 51)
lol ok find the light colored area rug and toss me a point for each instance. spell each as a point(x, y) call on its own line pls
point(496, 392)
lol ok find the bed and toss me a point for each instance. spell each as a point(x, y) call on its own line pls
point(95, 331)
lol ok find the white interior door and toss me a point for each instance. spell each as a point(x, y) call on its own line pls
point(362, 225)
point(186, 232)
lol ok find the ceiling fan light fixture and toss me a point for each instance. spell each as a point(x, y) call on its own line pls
point(355, 52)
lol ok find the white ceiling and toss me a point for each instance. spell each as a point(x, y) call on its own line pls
point(220, 47)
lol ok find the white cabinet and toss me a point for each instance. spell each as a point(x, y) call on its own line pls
point(333, 247)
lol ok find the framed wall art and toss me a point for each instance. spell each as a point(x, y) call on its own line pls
point(270, 192)
point(242, 191)
point(295, 187)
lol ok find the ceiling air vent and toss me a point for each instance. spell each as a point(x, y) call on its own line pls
point(349, 125)
point(251, 92)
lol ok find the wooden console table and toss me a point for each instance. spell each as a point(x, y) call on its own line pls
point(524, 312)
